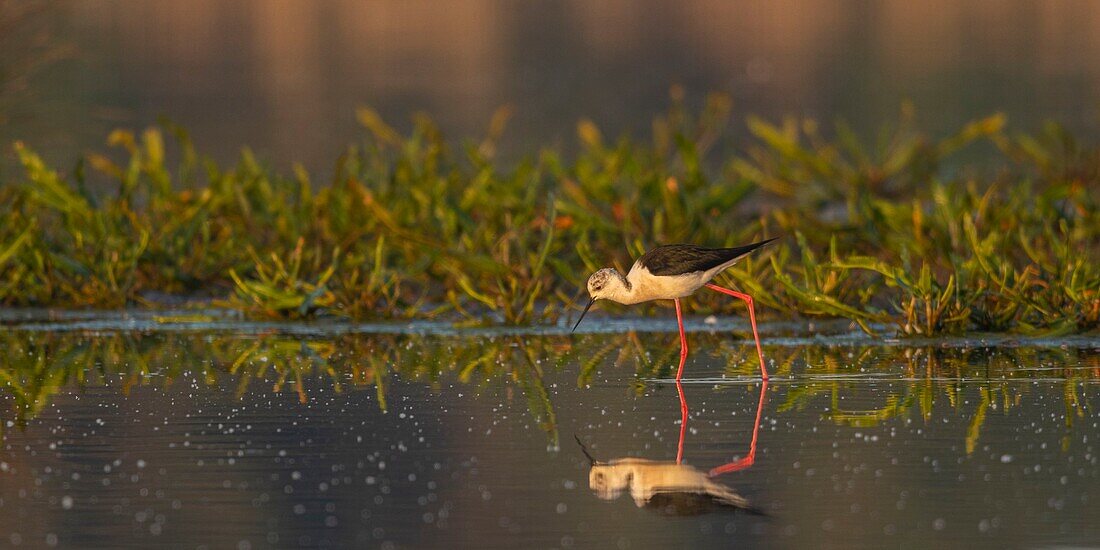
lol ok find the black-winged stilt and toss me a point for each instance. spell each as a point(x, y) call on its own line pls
point(672, 272)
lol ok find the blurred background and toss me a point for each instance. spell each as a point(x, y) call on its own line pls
point(284, 76)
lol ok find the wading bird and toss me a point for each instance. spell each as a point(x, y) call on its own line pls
point(672, 272)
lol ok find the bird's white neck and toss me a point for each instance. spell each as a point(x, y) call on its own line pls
point(620, 290)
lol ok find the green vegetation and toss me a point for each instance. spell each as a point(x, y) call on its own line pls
point(895, 233)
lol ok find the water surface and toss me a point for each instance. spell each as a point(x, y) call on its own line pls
point(285, 77)
point(260, 436)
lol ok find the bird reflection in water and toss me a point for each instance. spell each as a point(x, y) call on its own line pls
point(674, 488)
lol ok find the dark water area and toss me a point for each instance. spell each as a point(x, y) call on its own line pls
point(270, 437)
point(285, 77)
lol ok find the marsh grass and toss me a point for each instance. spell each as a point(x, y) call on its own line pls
point(898, 231)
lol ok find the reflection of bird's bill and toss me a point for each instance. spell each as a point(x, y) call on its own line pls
point(585, 451)
point(583, 313)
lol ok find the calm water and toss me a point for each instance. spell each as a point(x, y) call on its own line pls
point(285, 77)
point(266, 435)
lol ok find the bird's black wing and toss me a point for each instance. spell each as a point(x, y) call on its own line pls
point(678, 259)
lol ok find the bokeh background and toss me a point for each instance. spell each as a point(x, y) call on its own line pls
point(284, 76)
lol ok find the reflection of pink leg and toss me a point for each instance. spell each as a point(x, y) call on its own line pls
point(752, 319)
point(683, 340)
point(683, 422)
point(748, 460)
point(679, 386)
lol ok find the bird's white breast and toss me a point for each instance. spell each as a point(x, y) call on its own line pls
point(646, 286)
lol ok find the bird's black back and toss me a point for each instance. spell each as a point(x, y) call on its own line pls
point(678, 259)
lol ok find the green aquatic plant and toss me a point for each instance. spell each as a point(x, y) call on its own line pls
point(276, 289)
point(901, 232)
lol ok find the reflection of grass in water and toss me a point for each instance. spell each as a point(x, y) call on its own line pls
point(412, 227)
point(34, 368)
point(996, 373)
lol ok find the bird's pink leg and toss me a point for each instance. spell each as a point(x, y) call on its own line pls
point(752, 319)
point(751, 458)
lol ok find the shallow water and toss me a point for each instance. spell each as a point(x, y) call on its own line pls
point(265, 435)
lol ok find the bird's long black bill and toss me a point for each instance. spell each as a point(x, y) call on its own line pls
point(585, 312)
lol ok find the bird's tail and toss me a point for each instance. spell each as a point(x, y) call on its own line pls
point(738, 252)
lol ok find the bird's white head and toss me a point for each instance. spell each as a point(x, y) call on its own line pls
point(606, 283)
